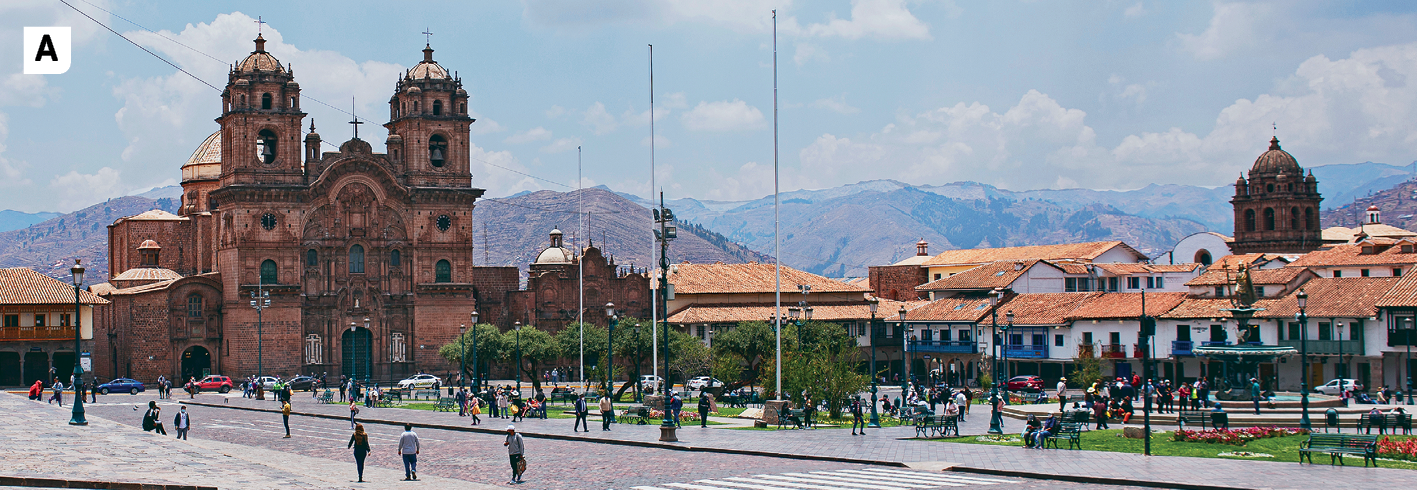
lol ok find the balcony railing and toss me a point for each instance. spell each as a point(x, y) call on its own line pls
point(1180, 348)
point(945, 346)
point(1114, 351)
point(1025, 351)
point(1087, 350)
point(1329, 347)
point(37, 333)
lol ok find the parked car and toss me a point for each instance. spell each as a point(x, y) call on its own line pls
point(302, 382)
point(267, 382)
point(1332, 387)
point(1024, 383)
point(214, 382)
point(421, 381)
point(650, 382)
point(119, 385)
point(702, 382)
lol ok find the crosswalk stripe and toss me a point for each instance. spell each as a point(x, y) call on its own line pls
point(923, 477)
point(854, 479)
point(691, 486)
point(647, 488)
point(890, 479)
point(854, 484)
point(984, 481)
point(793, 484)
point(742, 485)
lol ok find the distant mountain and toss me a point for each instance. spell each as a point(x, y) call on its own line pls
point(1342, 184)
point(1397, 205)
point(14, 220)
point(170, 192)
point(51, 246)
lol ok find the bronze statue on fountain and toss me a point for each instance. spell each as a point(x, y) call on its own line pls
point(1241, 360)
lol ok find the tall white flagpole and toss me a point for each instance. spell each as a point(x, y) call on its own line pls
point(776, 228)
point(653, 292)
point(580, 264)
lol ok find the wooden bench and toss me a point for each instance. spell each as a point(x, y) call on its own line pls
point(941, 425)
point(1185, 417)
point(1336, 445)
point(1071, 431)
point(1386, 421)
point(445, 405)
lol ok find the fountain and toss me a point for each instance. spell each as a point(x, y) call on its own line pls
point(1241, 361)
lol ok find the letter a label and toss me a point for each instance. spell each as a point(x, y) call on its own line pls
point(47, 50)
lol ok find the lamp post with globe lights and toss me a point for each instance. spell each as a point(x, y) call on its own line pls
point(1303, 317)
point(996, 421)
point(77, 415)
point(875, 421)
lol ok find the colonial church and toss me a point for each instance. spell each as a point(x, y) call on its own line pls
point(1277, 209)
point(365, 258)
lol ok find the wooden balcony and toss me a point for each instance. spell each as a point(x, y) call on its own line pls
point(36, 333)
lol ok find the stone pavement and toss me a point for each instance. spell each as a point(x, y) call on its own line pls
point(891, 446)
point(39, 443)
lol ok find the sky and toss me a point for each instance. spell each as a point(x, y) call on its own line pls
point(1017, 94)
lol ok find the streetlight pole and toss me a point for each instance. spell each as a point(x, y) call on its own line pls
point(996, 418)
point(462, 354)
point(518, 369)
point(260, 300)
point(1008, 324)
point(873, 303)
point(77, 416)
point(368, 353)
point(476, 374)
point(1303, 318)
point(639, 355)
point(610, 347)
point(904, 349)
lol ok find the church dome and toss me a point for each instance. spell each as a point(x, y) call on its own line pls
point(428, 68)
point(556, 253)
point(1276, 161)
point(205, 163)
point(148, 244)
point(259, 60)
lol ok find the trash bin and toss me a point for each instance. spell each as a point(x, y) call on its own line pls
point(1331, 420)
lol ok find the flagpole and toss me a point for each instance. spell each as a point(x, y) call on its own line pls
point(776, 227)
point(580, 264)
point(653, 292)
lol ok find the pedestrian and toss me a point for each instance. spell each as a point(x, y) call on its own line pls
point(502, 404)
point(1062, 393)
point(581, 413)
point(1099, 412)
point(962, 399)
point(1255, 394)
point(705, 405)
point(475, 408)
point(607, 413)
point(461, 398)
point(182, 423)
point(408, 448)
point(57, 392)
point(678, 404)
point(160, 380)
point(353, 410)
point(516, 453)
point(285, 417)
point(152, 420)
point(360, 442)
point(856, 416)
point(341, 388)
point(93, 393)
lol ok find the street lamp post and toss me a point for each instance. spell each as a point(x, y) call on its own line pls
point(462, 355)
point(873, 303)
point(260, 300)
point(639, 354)
point(1408, 338)
point(476, 374)
point(1008, 324)
point(610, 347)
point(518, 369)
point(996, 418)
point(77, 416)
point(368, 353)
point(904, 348)
point(1303, 318)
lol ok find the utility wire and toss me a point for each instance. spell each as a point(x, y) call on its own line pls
point(125, 38)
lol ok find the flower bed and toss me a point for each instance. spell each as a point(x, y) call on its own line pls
point(1405, 449)
point(1237, 437)
point(683, 416)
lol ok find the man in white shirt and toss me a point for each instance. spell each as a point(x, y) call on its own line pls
point(963, 403)
point(182, 423)
point(408, 448)
point(515, 450)
point(1062, 393)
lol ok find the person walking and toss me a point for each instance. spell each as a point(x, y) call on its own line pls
point(678, 405)
point(1254, 394)
point(474, 408)
point(581, 413)
point(516, 452)
point(182, 423)
point(37, 390)
point(57, 392)
point(408, 448)
point(607, 413)
point(1062, 393)
point(502, 404)
point(705, 405)
point(360, 442)
point(353, 410)
point(856, 416)
point(285, 417)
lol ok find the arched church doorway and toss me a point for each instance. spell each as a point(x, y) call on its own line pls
point(37, 368)
point(358, 353)
point(196, 363)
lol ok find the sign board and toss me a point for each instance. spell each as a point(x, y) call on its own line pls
point(87, 363)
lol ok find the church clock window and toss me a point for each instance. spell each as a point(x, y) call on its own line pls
point(266, 101)
point(312, 258)
point(444, 222)
point(443, 271)
point(1249, 220)
point(268, 221)
point(1269, 219)
point(356, 259)
point(437, 150)
point(395, 258)
point(266, 142)
point(437, 107)
point(194, 306)
point(268, 272)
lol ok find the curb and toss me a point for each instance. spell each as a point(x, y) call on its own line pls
point(1092, 479)
point(563, 437)
point(20, 481)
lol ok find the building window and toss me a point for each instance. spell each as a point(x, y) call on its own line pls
point(1249, 220)
point(1337, 273)
point(1294, 218)
point(1220, 291)
point(437, 107)
point(268, 272)
point(1133, 283)
point(1160, 283)
point(312, 258)
point(1269, 219)
point(356, 259)
point(1269, 188)
point(12, 321)
point(395, 259)
point(1363, 272)
point(1311, 222)
point(1151, 283)
point(443, 271)
point(1259, 291)
point(937, 277)
point(1112, 284)
point(266, 101)
point(398, 351)
point(266, 143)
point(39, 320)
point(702, 335)
point(65, 319)
point(314, 354)
point(1058, 340)
point(1294, 332)
point(1396, 272)
point(437, 150)
point(194, 306)
point(1325, 331)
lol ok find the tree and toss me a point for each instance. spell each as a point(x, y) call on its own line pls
point(633, 344)
point(488, 346)
point(690, 356)
point(568, 342)
point(753, 342)
point(537, 347)
point(823, 367)
point(728, 367)
point(1086, 371)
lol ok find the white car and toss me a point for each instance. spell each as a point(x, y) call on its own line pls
point(650, 382)
point(1332, 386)
point(267, 382)
point(421, 381)
point(702, 382)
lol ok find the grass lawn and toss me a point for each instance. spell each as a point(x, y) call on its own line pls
point(1284, 449)
point(844, 423)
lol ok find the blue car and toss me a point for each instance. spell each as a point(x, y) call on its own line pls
point(119, 385)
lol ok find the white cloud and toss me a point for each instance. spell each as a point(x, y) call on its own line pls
point(1234, 26)
point(600, 121)
point(835, 104)
point(11, 172)
point(555, 112)
point(25, 90)
point(659, 141)
point(484, 125)
point(809, 52)
point(877, 19)
point(535, 134)
point(500, 172)
point(1134, 11)
point(561, 145)
point(665, 104)
point(75, 190)
point(723, 115)
point(883, 19)
point(1136, 93)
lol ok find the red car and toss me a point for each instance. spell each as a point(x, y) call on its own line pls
point(1024, 383)
point(215, 382)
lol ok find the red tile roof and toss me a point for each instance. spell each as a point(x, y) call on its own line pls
point(1043, 308)
point(734, 313)
point(1122, 269)
point(747, 278)
point(1085, 251)
point(1403, 294)
point(987, 276)
point(949, 310)
point(1352, 254)
point(1220, 277)
point(1335, 297)
point(23, 286)
point(1125, 305)
point(1206, 308)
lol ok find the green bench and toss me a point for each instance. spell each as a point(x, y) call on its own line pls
point(637, 414)
point(1337, 445)
point(931, 425)
point(1072, 431)
point(445, 405)
point(1385, 422)
point(429, 394)
point(1186, 417)
point(327, 397)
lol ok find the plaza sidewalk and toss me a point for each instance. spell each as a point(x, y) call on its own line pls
point(40, 444)
point(892, 446)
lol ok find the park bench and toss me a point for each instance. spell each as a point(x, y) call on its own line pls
point(327, 397)
point(1186, 417)
point(393, 393)
point(1219, 420)
point(932, 425)
point(563, 394)
point(1083, 417)
point(1071, 431)
point(636, 414)
point(1337, 445)
point(445, 405)
point(383, 403)
point(1386, 421)
point(429, 394)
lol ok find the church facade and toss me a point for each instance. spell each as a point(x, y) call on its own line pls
point(287, 259)
point(1277, 209)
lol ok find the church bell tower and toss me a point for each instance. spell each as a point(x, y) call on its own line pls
point(428, 127)
point(1277, 209)
point(260, 123)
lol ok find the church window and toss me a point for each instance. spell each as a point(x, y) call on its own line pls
point(313, 350)
point(265, 101)
point(1311, 222)
point(356, 259)
point(1203, 257)
point(268, 272)
point(444, 222)
point(1269, 219)
point(194, 306)
point(243, 100)
point(443, 271)
point(293, 104)
point(398, 349)
point(1249, 220)
point(415, 106)
point(266, 142)
point(1269, 188)
point(462, 108)
point(437, 107)
point(1289, 187)
point(312, 258)
point(395, 259)
point(1294, 218)
point(437, 150)
point(268, 221)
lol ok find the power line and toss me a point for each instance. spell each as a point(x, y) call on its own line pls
point(125, 38)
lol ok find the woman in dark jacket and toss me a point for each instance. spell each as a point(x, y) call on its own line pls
point(152, 420)
point(360, 442)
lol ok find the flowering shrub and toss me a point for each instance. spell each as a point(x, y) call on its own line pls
point(1236, 437)
point(1398, 449)
point(683, 416)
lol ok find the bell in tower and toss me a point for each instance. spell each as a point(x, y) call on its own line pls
point(428, 127)
point(260, 122)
